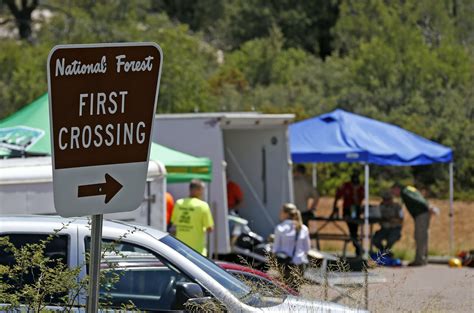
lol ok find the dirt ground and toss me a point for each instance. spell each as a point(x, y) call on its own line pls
point(432, 288)
point(439, 228)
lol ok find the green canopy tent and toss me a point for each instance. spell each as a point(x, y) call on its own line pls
point(27, 133)
point(181, 167)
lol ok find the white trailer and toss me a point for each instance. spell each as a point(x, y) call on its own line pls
point(252, 147)
point(26, 187)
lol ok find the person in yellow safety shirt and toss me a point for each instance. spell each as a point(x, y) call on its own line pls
point(192, 218)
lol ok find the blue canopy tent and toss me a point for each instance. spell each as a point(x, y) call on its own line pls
point(340, 136)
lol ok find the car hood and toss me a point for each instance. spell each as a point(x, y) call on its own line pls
point(298, 304)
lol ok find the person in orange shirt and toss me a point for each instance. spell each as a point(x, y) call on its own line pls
point(234, 199)
point(169, 207)
point(234, 196)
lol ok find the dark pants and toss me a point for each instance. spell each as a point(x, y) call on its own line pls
point(306, 216)
point(354, 229)
point(422, 224)
point(293, 275)
point(390, 235)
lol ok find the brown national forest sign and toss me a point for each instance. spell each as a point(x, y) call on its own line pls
point(102, 106)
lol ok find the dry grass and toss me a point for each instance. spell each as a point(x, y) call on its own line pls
point(439, 228)
point(350, 294)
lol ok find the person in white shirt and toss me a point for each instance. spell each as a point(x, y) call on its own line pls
point(292, 242)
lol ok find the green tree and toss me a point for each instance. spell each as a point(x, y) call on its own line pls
point(21, 11)
point(23, 74)
point(407, 67)
point(188, 60)
point(263, 75)
point(305, 24)
point(406, 62)
point(199, 15)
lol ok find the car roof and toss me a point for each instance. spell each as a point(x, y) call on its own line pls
point(50, 222)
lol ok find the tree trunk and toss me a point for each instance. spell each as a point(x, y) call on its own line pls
point(22, 13)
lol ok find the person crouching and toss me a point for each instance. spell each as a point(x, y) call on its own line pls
point(390, 232)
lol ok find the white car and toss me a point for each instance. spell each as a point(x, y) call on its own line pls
point(203, 280)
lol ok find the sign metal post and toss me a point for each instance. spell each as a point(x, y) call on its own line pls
point(94, 263)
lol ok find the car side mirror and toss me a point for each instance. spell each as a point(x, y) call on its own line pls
point(184, 292)
point(202, 304)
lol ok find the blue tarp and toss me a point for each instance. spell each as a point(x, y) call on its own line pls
point(341, 136)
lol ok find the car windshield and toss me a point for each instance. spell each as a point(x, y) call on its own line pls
point(232, 284)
